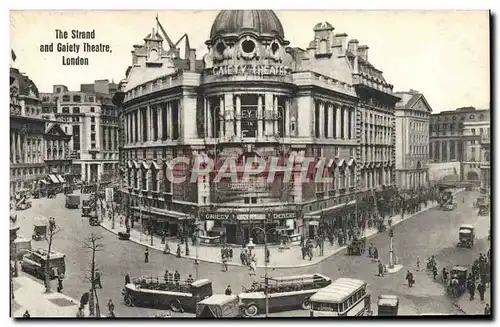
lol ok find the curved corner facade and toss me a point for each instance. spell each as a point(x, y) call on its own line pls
point(253, 95)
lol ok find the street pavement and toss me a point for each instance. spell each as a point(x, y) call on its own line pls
point(432, 232)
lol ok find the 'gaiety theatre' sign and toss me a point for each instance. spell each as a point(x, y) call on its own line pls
point(258, 70)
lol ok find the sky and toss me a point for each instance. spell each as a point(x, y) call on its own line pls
point(442, 54)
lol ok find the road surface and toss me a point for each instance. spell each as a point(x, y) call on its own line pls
point(432, 232)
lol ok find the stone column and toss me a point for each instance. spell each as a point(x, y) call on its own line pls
point(169, 120)
point(149, 126)
point(330, 120)
point(260, 116)
point(287, 118)
point(321, 119)
point(268, 108)
point(275, 115)
point(447, 151)
point(159, 117)
point(238, 116)
point(229, 115)
point(352, 124)
point(25, 148)
point(222, 116)
point(210, 119)
point(456, 150)
point(338, 122)
point(346, 123)
point(13, 146)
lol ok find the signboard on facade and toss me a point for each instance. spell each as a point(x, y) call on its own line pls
point(256, 70)
point(109, 194)
point(252, 216)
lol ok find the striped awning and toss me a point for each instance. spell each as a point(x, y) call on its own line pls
point(54, 179)
point(61, 179)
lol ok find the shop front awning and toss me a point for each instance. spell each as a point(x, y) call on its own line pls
point(61, 179)
point(43, 181)
point(161, 212)
point(54, 179)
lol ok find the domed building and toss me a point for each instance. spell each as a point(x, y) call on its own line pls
point(254, 99)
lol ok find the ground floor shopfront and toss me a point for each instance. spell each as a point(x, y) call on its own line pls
point(241, 225)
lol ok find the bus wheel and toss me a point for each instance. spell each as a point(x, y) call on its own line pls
point(306, 305)
point(251, 310)
point(128, 301)
point(175, 306)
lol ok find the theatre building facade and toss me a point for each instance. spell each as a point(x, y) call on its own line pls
point(253, 96)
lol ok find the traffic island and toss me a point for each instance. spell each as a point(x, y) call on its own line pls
point(394, 269)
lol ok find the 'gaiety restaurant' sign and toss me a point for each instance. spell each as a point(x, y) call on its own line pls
point(258, 70)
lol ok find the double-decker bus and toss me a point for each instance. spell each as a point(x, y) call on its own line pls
point(343, 297)
point(282, 293)
point(156, 293)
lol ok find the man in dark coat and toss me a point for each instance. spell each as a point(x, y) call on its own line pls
point(380, 269)
point(434, 272)
point(481, 289)
point(409, 278)
point(127, 279)
point(177, 277)
point(146, 255)
point(472, 290)
point(228, 290)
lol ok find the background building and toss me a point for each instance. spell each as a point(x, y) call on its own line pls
point(38, 146)
point(412, 146)
point(485, 164)
point(455, 136)
point(253, 96)
point(92, 119)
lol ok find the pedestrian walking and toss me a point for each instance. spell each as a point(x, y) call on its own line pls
point(60, 283)
point(253, 266)
point(481, 289)
point(409, 278)
point(166, 250)
point(127, 279)
point(111, 307)
point(487, 309)
point(170, 277)
point(189, 280)
point(243, 258)
point(445, 275)
point(165, 277)
point(418, 264)
point(121, 221)
point(224, 264)
point(177, 277)
point(434, 272)
point(228, 290)
point(304, 252)
point(268, 254)
point(146, 255)
point(178, 251)
point(472, 290)
point(380, 269)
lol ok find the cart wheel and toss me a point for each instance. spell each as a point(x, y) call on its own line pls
point(251, 310)
point(175, 306)
point(306, 305)
point(128, 301)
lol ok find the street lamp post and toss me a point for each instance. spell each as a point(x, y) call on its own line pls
point(391, 248)
point(266, 278)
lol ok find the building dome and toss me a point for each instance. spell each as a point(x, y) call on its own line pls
point(260, 22)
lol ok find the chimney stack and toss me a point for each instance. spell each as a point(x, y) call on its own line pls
point(353, 46)
point(363, 52)
point(192, 60)
point(340, 43)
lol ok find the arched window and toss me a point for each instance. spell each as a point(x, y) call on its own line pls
point(144, 179)
point(167, 178)
point(154, 179)
point(352, 177)
point(342, 177)
point(136, 178)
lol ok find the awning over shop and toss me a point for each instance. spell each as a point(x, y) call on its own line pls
point(162, 212)
point(54, 179)
point(61, 179)
point(351, 162)
point(43, 181)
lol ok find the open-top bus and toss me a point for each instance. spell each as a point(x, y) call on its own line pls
point(282, 292)
point(343, 297)
point(153, 292)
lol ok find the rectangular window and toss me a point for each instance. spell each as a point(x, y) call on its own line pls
point(92, 109)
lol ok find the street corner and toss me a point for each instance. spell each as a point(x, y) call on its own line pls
point(474, 307)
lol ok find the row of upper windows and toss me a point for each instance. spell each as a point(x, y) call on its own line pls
point(68, 98)
point(455, 117)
